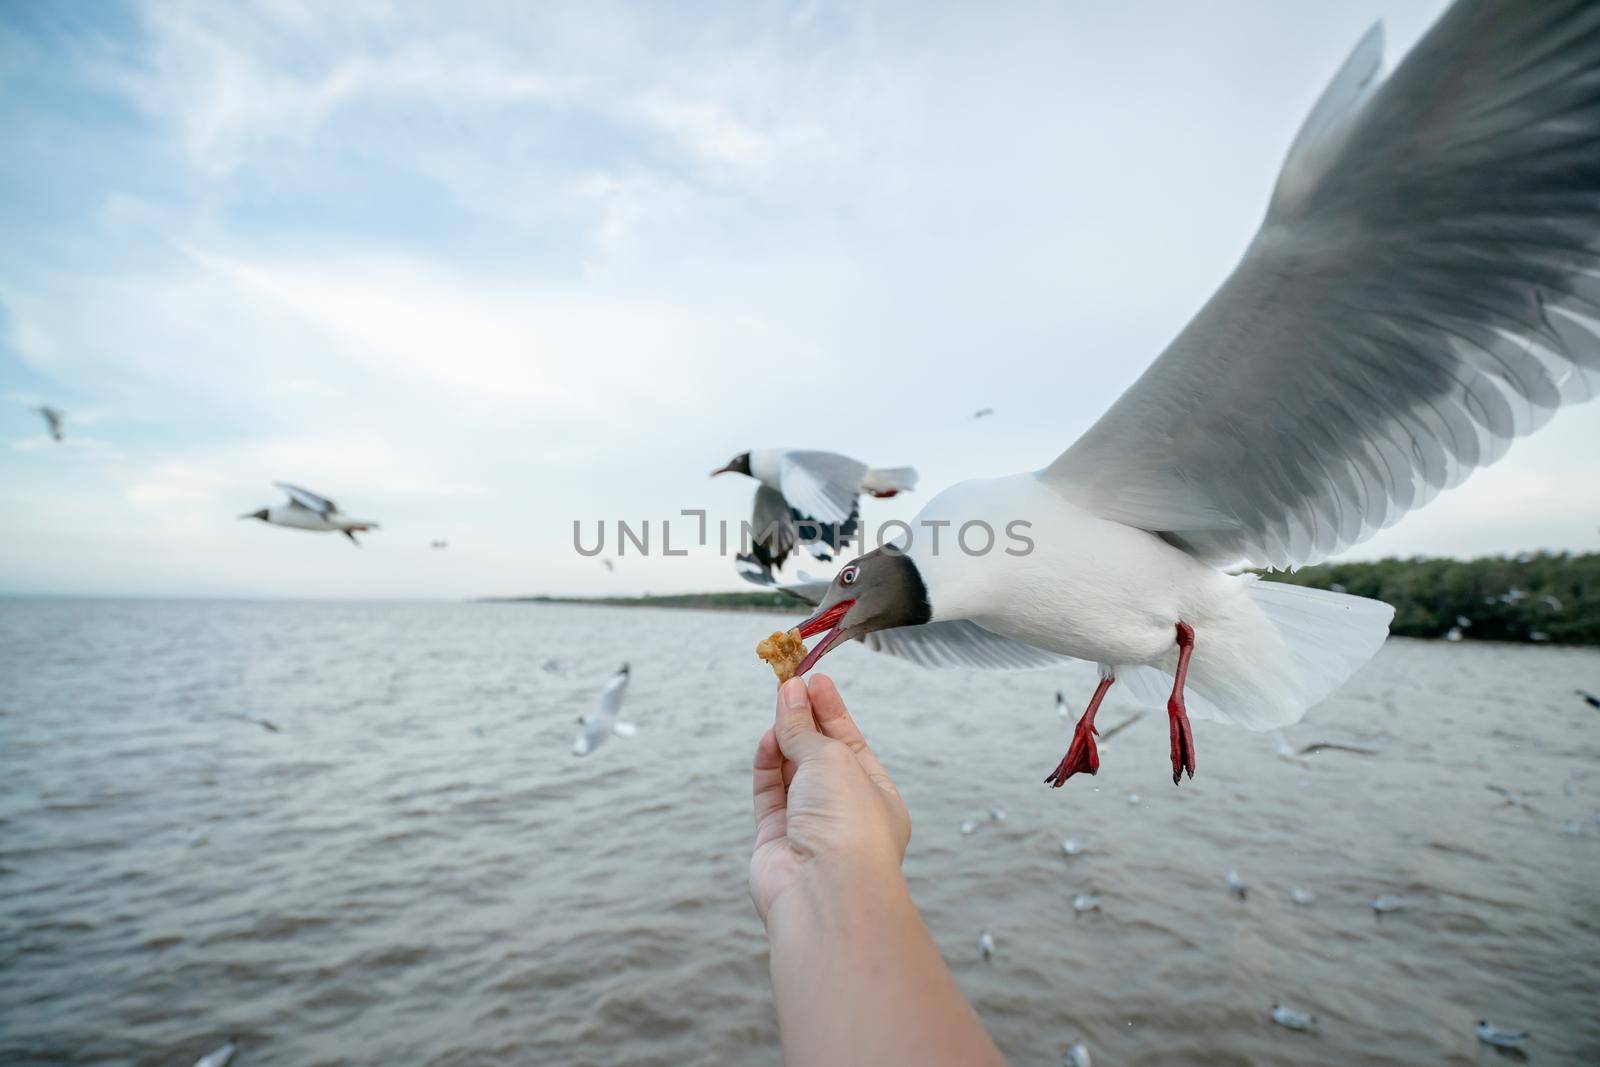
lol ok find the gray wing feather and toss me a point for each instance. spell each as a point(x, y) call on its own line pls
point(1425, 289)
point(821, 485)
point(307, 499)
point(960, 643)
point(774, 528)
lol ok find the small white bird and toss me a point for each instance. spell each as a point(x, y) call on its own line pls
point(1071, 847)
point(218, 1057)
point(1085, 902)
point(1385, 904)
point(808, 496)
point(1463, 622)
point(1301, 896)
point(599, 725)
point(1453, 634)
point(1063, 709)
point(1078, 1056)
point(985, 945)
point(1417, 297)
point(1291, 1019)
point(52, 419)
point(969, 826)
point(1133, 800)
point(308, 511)
point(436, 545)
point(1491, 1034)
point(1235, 886)
point(997, 814)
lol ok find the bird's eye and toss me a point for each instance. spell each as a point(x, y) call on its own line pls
point(848, 575)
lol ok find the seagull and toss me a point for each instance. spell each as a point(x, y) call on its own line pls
point(1291, 1019)
point(438, 544)
point(1463, 622)
point(1071, 847)
point(1416, 298)
point(218, 1057)
point(599, 725)
point(52, 419)
point(985, 945)
point(1453, 634)
point(997, 814)
point(308, 511)
point(1552, 602)
point(1085, 902)
point(1077, 1056)
point(1235, 886)
point(265, 724)
point(1302, 897)
point(1121, 726)
point(1063, 709)
point(1589, 698)
point(811, 493)
point(968, 827)
point(982, 413)
point(1490, 1034)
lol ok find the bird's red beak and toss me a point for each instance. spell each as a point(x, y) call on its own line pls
point(831, 620)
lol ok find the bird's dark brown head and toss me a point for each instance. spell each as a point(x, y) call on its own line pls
point(739, 464)
point(877, 591)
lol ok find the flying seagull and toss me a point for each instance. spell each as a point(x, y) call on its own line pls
point(438, 544)
point(810, 493)
point(599, 725)
point(308, 511)
point(983, 413)
point(1416, 298)
point(1290, 1019)
point(52, 419)
point(1490, 1034)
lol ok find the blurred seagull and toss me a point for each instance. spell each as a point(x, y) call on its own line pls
point(1291, 1019)
point(1453, 634)
point(969, 826)
point(1121, 726)
point(599, 725)
point(265, 724)
point(1302, 897)
point(985, 945)
point(438, 544)
point(983, 413)
point(1235, 886)
point(1063, 709)
point(1589, 698)
point(52, 419)
point(1078, 1056)
point(809, 492)
point(1418, 296)
point(218, 1057)
point(1491, 1034)
point(997, 814)
point(1384, 905)
point(610, 567)
point(1085, 902)
point(308, 511)
point(1071, 847)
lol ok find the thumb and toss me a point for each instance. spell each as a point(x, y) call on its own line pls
point(797, 732)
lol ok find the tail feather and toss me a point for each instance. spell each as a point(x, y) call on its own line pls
point(887, 481)
point(1280, 651)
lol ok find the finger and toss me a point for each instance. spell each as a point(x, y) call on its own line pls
point(796, 729)
point(768, 786)
point(837, 722)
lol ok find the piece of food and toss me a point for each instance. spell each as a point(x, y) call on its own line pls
point(784, 650)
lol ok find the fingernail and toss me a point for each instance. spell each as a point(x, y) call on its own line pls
point(794, 694)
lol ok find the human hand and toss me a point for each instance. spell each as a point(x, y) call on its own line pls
point(825, 808)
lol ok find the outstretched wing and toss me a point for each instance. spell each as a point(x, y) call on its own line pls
point(611, 695)
point(305, 498)
point(821, 486)
point(774, 537)
point(960, 643)
point(1425, 288)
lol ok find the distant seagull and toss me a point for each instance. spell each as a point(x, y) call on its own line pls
point(1453, 634)
point(52, 419)
point(1463, 622)
point(218, 1057)
point(308, 511)
point(438, 544)
point(1538, 635)
point(1133, 799)
point(1290, 1019)
point(1063, 709)
point(1491, 1034)
point(968, 826)
point(1589, 698)
point(1303, 897)
point(265, 724)
point(1551, 602)
point(1085, 902)
point(1071, 847)
point(997, 814)
point(609, 566)
point(810, 493)
point(1384, 905)
point(983, 413)
point(599, 725)
point(1235, 886)
point(1513, 596)
point(1334, 746)
point(985, 945)
point(1077, 1056)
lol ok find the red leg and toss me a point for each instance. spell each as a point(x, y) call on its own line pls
point(1177, 717)
point(1081, 754)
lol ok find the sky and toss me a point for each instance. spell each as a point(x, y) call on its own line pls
point(479, 271)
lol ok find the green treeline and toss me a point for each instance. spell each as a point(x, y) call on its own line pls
point(1540, 597)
